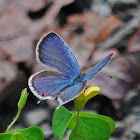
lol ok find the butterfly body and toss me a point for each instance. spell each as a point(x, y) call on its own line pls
point(79, 78)
point(66, 83)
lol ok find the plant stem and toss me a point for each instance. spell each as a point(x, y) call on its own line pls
point(14, 120)
point(77, 118)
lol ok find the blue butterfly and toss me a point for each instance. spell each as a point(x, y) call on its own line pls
point(66, 83)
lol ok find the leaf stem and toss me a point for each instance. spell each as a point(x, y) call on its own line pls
point(14, 120)
point(77, 118)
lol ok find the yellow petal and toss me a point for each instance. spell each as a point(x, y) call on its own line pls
point(81, 100)
point(91, 92)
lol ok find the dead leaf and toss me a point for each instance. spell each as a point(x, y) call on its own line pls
point(96, 28)
point(134, 42)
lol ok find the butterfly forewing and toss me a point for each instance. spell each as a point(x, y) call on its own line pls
point(98, 67)
point(53, 51)
point(47, 84)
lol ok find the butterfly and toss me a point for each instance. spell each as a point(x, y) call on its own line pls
point(68, 82)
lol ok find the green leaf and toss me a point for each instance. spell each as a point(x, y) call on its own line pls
point(72, 122)
point(30, 133)
point(89, 128)
point(109, 120)
point(18, 136)
point(61, 119)
point(5, 136)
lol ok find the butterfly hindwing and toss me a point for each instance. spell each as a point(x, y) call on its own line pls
point(47, 84)
point(71, 92)
point(53, 51)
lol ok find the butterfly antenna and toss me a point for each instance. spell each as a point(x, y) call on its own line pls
point(107, 75)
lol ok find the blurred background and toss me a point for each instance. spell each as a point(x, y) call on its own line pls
point(93, 29)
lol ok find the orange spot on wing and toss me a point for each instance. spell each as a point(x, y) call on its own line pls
point(44, 94)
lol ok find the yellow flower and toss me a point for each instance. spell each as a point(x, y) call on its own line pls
point(81, 100)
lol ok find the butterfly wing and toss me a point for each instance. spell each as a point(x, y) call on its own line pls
point(53, 51)
point(97, 68)
point(47, 84)
point(71, 92)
